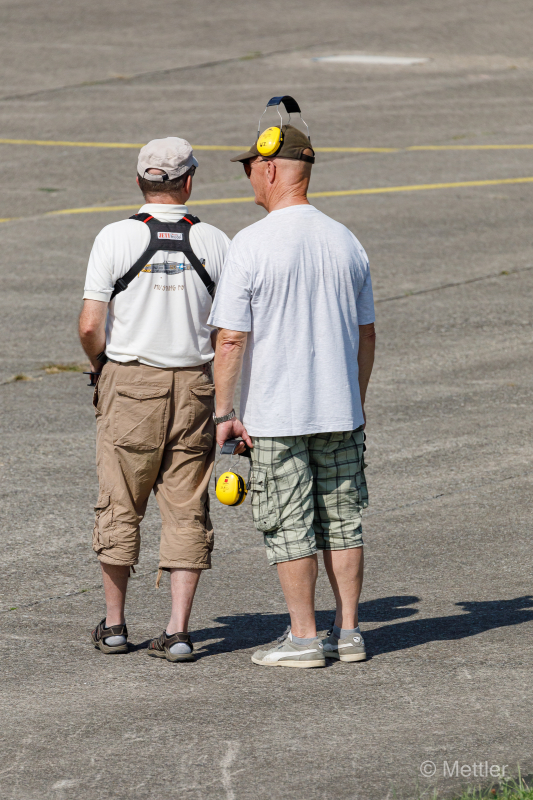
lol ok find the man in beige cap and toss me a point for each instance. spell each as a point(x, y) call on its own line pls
point(295, 305)
point(148, 295)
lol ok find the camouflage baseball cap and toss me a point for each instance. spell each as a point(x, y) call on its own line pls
point(293, 146)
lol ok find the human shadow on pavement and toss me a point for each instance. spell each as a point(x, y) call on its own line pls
point(243, 631)
point(482, 616)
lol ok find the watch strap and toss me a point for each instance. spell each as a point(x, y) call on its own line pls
point(225, 418)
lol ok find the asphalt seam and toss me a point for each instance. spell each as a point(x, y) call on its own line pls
point(452, 285)
point(160, 72)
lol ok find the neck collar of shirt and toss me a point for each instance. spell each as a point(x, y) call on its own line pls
point(299, 207)
point(164, 212)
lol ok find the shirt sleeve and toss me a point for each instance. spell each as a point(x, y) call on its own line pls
point(213, 244)
point(99, 279)
point(232, 305)
point(365, 300)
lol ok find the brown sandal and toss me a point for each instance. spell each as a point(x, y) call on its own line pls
point(160, 647)
point(101, 632)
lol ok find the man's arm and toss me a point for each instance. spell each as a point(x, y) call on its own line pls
point(365, 358)
point(92, 330)
point(229, 353)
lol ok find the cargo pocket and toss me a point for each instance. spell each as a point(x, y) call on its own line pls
point(362, 490)
point(201, 427)
point(103, 533)
point(140, 416)
point(266, 515)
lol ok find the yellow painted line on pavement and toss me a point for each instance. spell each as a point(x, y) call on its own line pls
point(471, 147)
point(421, 187)
point(118, 145)
point(232, 148)
point(135, 145)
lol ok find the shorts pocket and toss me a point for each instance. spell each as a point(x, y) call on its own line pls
point(200, 426)
point(265, 513)
point(103, 533)
point(140, 416)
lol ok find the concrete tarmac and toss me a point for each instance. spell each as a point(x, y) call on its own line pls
point(447, 606)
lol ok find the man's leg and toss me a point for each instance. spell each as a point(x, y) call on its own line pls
point(181, 491)
point(298, 581)
point(339, 499)
point(115, 580)
point(281, 488)
point(183, 583)
point(345, 573)
point(129, 453)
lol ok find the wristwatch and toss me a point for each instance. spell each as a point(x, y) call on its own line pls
point(225, 418)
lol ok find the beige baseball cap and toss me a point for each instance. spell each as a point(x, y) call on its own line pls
point(174, 156)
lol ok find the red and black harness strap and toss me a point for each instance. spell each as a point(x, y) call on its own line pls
point(172, 236)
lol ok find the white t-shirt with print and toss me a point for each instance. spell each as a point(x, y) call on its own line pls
point(299, 282)
point(161, 318)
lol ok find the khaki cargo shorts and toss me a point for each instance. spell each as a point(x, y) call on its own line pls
point(154, 431)
point(308, 492)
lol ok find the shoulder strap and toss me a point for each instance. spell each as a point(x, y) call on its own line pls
point(197, 265)
point(141, 262)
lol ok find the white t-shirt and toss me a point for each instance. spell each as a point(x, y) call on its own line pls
point(161, 318)
point(299, 282)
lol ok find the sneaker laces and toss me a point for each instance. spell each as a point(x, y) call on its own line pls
point(284, 636)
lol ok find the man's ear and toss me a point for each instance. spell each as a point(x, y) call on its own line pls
point(271, 171)
point(137, 180)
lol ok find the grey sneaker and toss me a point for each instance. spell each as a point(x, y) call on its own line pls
point(350, 649)
point(289, 654)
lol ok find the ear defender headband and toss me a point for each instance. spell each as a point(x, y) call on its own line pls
point(271, 140)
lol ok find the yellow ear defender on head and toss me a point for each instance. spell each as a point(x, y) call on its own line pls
point(231, 488)
point(270, 141)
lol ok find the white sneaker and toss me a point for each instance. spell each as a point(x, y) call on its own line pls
point(289, 654)
point(352, 648)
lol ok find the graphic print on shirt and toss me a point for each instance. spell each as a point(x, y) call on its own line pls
point(169, 267)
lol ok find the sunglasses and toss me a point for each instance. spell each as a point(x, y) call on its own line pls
point(249, 164)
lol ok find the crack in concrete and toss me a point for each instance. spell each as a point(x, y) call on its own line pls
point(161, 72)
point(452, 285)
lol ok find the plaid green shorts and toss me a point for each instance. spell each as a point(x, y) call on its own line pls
point(308, 492)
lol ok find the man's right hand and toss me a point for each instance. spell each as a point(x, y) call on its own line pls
point(233, 429)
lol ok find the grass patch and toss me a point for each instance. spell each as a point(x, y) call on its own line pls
point(21, 377)
point(55, 369)
point(513, 789)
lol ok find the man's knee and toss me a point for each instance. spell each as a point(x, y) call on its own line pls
point(187, 547)
point(114, 541)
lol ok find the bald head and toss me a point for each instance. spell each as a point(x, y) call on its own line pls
point(280, 182)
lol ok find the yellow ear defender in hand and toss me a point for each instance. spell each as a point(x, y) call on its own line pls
point(231, 487)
